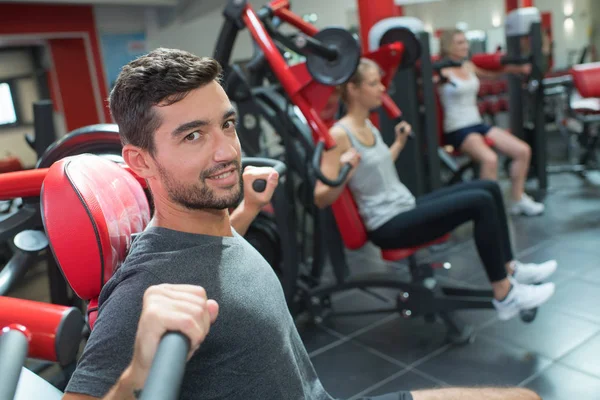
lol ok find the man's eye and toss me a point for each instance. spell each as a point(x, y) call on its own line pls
point(192, 136)
point(229, 124)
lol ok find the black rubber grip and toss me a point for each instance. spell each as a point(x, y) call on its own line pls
point(260, 185)
point(344, 171)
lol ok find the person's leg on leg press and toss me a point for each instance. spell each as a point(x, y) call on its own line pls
point(437, 217)
point(520, 154)
point(527, 272)
point(522, 272)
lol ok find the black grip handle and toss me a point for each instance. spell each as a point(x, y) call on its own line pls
point(13, 347)
point(397, 120)
point(344, 171)
point(168, 368)
point(260, 185)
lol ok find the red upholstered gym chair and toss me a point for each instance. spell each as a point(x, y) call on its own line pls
point(583, 105)
point(106, 206)
point(422, 296)
point(354, 233)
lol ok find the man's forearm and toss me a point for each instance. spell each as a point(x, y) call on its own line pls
point(242, 217)
point(476, 394)
point(125, 388)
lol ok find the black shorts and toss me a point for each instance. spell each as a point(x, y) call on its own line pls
point(391, 396)
point(457, 137)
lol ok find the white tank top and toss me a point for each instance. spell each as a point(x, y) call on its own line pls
point(375, 185)
point(459, 101)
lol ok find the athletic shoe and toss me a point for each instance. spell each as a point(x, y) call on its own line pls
point(527, 206)
point(522, 297)
point(533, 273)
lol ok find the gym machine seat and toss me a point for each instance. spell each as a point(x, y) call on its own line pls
point(354, 233)
point(106, 207)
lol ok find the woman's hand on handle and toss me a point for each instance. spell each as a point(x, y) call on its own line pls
point(352, 157)
point(331, 165)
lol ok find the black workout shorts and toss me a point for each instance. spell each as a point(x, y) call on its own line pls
point(391, 396)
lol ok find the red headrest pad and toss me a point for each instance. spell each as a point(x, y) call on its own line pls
point(90, 209)
point(586, 78)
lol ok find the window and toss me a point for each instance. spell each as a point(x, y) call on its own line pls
point(8, 114)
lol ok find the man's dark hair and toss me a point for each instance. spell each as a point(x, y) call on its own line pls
point(163, 76)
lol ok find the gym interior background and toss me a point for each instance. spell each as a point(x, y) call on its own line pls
point(70, 53)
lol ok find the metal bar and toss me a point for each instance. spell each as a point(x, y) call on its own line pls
point(15, 269)
point(286, 77)
point(13, 347)
point(430, 120)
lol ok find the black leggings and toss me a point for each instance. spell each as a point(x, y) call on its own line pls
point(441, 211)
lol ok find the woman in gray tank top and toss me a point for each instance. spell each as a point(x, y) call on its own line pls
point(394, 218)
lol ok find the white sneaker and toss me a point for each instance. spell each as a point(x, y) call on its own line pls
point(522, 297)
point(533, 273)
point(527, 206)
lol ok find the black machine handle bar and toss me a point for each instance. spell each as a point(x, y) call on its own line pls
point(317, 156)
point(260, 185)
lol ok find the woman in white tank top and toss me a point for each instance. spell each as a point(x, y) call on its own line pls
point(464, 128)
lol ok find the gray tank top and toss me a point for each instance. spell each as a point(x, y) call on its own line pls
point(375, 186)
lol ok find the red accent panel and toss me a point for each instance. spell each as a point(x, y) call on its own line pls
point(10, 164)
point(399, 11)
point(52, 85)
point(41, 320)
point(586, 78)
point(43, 19)
point(70, 62)
point(349, 222)
point(490, 62)
point(526, 3)
point(106, 207)
point(22, 183)
point(369, 13)
point(511, 5)
point(399, 254)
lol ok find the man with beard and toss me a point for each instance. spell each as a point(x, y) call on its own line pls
point(178, 130)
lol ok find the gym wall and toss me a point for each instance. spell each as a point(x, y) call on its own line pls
point(199, 35)
point(76, 77)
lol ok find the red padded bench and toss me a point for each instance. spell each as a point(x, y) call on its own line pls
point(106, 207)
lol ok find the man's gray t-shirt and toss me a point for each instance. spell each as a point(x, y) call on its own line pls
point(253, 350)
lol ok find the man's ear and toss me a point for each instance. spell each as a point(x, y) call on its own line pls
point(140, 161)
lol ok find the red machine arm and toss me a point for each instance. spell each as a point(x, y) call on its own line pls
point(22, 183)
point(54, 331)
